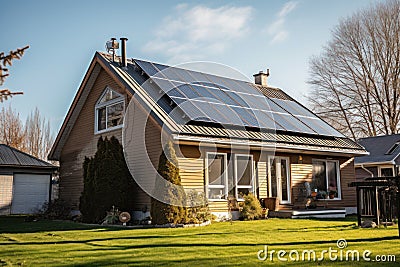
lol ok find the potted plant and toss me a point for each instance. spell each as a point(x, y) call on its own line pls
point(322, 195)
point(332, 194)
point(314, 193)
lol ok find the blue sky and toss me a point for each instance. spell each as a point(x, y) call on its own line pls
point(246, 35)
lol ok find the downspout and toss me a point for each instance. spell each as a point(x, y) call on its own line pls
point(371, 173)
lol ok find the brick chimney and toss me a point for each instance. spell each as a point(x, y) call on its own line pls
point(261, 78)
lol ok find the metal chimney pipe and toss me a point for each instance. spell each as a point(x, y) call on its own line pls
point(124, 63)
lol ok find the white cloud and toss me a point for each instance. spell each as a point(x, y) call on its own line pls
point(287, 8)
point(192, 32)
point(276, 30)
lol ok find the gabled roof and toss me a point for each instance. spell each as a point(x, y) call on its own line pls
point(382, 149)
point(213, 108)
point(11, 157)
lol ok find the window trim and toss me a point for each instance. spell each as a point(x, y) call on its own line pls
point(385, 167)
point(338, 177)
point(98, 106)
point(225, 176)
point(235, 174)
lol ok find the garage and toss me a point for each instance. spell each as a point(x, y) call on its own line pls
point(31, 191)
point(25, 182)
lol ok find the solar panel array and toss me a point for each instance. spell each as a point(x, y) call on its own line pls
point(210, 98)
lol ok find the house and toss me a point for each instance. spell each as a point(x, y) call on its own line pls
point(383, 158)
point(232, 137)
point(25, 182)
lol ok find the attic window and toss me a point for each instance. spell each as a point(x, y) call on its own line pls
point(109, 111)
point(392, 149)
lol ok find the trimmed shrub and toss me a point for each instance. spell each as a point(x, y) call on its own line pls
point(250, 208)
point(161, 211)
point(197, 211)
point(107, 182)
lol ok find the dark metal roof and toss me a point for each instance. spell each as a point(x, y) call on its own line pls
point(330, 143)
point(378, 146)
point(12, 157)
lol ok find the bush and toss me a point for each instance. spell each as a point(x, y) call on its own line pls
point(162, 212)
point(56, 210)
point(197, 211)
point(112, 216)
point(251, 208)
point(107, 182)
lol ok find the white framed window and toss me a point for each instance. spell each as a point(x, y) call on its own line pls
point(279, 182)
point(109, 111)
point(326, 179)
point(243, 176)
point(216, 176)
point(386, 171)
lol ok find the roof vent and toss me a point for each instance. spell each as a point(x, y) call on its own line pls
point(261, 78)
point(111, 46)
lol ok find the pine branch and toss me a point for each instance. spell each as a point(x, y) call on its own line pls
point(6, 93)
point(7, 60)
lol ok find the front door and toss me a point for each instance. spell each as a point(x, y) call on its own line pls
point(279, 179)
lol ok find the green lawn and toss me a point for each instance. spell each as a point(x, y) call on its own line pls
point(220, 244)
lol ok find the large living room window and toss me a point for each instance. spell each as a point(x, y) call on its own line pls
point(109, 111)
point(326, 179)
point(233, 181)
point(216, 176)
point(243, 175)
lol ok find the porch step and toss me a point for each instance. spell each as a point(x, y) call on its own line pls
point(315, 213)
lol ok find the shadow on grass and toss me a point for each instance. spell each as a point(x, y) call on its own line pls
point(167, 237)
point(17, 224)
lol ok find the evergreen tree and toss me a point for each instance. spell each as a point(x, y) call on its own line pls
point(171, 207)
point(107, 182)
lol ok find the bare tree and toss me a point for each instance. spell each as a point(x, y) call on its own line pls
point(7, 59)
point(34, 137)
point(356, 80)
point(12, 131)
point(38, 139)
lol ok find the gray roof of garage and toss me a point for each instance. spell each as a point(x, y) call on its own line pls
point(13, 157)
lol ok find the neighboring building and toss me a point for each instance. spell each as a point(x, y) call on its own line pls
point(383, 158)
point(25, 182)
point(286, 148)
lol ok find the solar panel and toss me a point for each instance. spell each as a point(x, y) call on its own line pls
point(293, 107)
point(209, 98)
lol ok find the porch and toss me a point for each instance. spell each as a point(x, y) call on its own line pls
point(309, 213)
point(321, 209)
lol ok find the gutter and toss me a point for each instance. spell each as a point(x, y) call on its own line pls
point(371, 173)
point(390, 162)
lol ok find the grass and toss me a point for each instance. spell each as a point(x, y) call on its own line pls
point(56, 243)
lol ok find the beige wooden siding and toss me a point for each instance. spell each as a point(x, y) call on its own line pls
point(262, 179)
point(347, 175)
point(218, 206)
point(6, 193)
point(300, 173)
point(192, 173)
point(143, 163)
point(82, 142)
